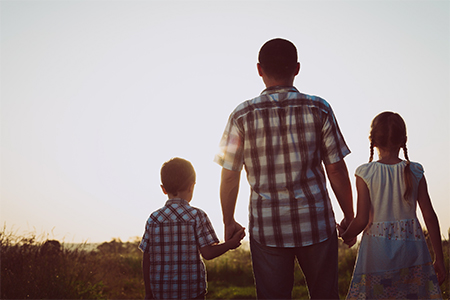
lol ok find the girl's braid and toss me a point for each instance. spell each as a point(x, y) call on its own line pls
point(371, 151)
point(405, 153)
point(408, 175)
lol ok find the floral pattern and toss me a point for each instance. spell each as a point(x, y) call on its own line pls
point(417, 282)
point(399, 230)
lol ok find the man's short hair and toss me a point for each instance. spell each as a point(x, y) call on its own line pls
point(278, 58)
point(177, 175)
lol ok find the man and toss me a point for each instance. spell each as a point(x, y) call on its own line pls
point(283, 137)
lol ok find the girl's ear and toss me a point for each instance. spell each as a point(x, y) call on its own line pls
point(163, 189)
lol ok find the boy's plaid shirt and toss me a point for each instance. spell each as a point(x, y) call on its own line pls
point(282, 137)
point(173, 236)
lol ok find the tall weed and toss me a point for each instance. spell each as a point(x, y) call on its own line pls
point(34, 268)
point(45, 270)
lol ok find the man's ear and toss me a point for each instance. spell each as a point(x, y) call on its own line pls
point(297, 70)
point(260, 70)
point(163, 189)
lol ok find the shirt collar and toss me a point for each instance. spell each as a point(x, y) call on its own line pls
point(177, 201)
point(279, 89)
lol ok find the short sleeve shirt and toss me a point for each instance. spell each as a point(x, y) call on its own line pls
point(173, 236)
point(282, 138)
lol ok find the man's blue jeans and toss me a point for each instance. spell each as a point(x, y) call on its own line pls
point(273, 269)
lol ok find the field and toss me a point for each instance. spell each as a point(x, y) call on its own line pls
point(33, 268)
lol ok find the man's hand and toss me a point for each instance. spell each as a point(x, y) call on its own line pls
point(232, 228)
point(341, 229)
point(236, 239)
point(344, 224)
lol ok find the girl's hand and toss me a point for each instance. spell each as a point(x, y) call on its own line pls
point(340, 230)
point(351, 242)
point(439, 268)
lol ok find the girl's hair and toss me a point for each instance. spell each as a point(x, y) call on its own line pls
point(388, 130)
point(177, 175)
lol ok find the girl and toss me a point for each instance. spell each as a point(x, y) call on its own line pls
point(393, 259)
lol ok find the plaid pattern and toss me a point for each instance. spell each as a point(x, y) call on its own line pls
point(282, 138)
point(173, 236)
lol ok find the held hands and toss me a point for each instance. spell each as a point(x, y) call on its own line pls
point(341, 230)
point(231, 228)
point(236, 239)
point(234, 233)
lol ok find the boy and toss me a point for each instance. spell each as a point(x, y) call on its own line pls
point(175, 236)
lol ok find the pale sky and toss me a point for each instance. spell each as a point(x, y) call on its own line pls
point(97, 95)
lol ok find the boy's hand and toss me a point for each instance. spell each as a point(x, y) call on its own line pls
point(235, 240)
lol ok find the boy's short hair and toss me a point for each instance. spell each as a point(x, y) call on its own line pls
point(278, 58)
point(177, 175)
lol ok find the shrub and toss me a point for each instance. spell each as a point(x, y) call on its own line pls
point(33, 269)
point(45, 270)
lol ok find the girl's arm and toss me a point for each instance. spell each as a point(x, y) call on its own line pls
point(362, 215)
point(432, 223)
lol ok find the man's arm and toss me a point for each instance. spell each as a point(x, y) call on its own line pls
point(340, 183)
point(362, 215)
point(229, 189)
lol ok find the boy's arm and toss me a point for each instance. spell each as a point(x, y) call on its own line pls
point(215, 250)
point(432, 223)
point(146, 271)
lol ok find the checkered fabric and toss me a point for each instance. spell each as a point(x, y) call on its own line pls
point(282, 138)
point(173, 236)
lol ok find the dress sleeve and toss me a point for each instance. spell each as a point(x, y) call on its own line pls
point(417, 170)
point(362, 171)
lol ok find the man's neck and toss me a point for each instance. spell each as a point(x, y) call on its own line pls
point(271, 82)
point(274, 83)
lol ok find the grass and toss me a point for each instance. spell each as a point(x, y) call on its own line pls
point(33, 268)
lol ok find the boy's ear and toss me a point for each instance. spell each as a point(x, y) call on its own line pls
point(191, 187)
point(163, 189)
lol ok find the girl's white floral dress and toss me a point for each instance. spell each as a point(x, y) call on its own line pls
point(393, 260)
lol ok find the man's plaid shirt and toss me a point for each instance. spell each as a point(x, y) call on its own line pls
point(173, 236)
point(282, 138)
